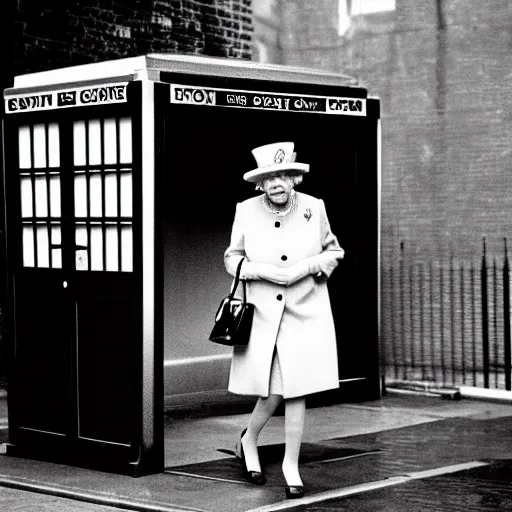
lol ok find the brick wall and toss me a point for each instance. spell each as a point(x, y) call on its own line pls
point(50, 34)
point(443, 71)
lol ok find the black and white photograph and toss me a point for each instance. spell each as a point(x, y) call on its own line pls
point(255, 256)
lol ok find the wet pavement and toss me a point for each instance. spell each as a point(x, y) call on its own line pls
point(12, 500)
point(401, 453)
point(478, 489)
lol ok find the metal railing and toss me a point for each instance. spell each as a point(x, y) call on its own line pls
point(447, 322)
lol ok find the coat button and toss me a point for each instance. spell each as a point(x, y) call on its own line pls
point(284, 257)
point(277, 224)
point(279, 297)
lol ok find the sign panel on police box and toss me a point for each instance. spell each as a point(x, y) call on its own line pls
point(66, 98)
point(185, 94)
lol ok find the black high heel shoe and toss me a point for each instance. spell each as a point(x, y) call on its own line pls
point(253, 477)
point(294, 491)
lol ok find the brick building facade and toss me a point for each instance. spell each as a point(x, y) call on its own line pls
point(55, 34)
point(443, 71)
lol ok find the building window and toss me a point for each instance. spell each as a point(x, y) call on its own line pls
point(357, 7)
point(260, 52)
point(350, 8)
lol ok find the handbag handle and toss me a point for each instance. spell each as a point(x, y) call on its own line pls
point(237, 279)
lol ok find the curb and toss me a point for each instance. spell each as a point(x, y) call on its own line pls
point(452, 394)
point(491, 395)
point(90, 497)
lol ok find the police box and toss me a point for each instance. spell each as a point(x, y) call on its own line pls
point(120, 183)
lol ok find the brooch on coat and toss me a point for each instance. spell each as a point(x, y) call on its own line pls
point(308, 214)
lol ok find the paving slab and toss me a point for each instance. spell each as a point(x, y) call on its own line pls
point(482, 489)
point(401, 436)
point(15, 500)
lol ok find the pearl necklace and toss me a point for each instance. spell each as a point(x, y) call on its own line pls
point(292, 203)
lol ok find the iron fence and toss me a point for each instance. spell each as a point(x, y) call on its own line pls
point(447, 322)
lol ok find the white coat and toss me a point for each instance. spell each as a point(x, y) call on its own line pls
point(295, 319)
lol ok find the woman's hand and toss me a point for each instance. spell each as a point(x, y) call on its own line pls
point(277, 275)
point(266, 272)
point(324, 263)
point(327, 266)
point(299, 271)
point(285, 276)
point(290, 275)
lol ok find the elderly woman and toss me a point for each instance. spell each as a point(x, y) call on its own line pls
point(289, 252)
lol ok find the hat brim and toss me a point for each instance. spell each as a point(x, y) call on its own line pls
point(258, 174)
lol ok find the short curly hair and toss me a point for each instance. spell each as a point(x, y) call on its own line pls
point(297, 180)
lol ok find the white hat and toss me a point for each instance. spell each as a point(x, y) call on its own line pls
point(275, 157)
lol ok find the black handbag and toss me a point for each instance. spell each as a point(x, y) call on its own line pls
point(233, 321)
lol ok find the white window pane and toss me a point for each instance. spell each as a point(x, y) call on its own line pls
point(43, 247)
point(81, 260)
point(111, 195)
point(94, 142)
point(80, 195)
point(369, 6)
point(344, 21)
point(24, 147)
point(39, 146)
point(96, 248)
point(26, 197)
point(81, 236)
point(79, 142)
point(53, 145)
point(126, 249)
point(28, 246)
point(56, 258)
point(55, 196)
point(56, 236)
point(126, 194)
point(112, 248)
point(41, 196)
point(81, 257)
point(110, 141)
point(125, 139)
point(95, 188)
point(56, 239)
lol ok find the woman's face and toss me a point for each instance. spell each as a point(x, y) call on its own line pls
point(277, 187)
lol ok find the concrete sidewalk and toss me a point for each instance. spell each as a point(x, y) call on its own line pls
point(399, 442)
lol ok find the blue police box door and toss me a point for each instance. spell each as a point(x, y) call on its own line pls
point(74, 279)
